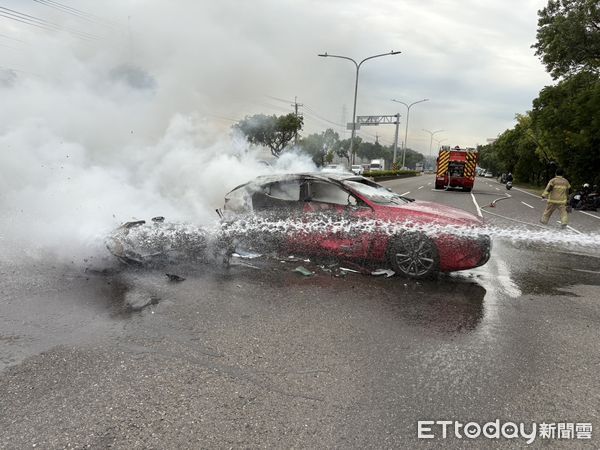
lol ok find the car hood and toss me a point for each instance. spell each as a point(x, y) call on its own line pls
point(438, 212)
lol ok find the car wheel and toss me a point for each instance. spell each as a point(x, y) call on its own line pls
point(439, 185)
point(414, 255)
point(467, 189)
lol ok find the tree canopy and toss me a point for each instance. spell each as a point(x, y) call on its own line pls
point(563, 127)
point(273, 132)
point(566, 117)
point(320, 145)
point(568, 37)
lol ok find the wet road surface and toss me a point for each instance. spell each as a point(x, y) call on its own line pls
point(260, 356)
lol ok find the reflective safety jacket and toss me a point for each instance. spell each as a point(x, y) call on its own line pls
point(557, 191)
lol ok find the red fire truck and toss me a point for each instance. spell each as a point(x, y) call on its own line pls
point(456, 168)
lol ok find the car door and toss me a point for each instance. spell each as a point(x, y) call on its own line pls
point(334, 219)
point(277, 209)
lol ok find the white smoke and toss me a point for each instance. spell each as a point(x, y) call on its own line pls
point(103, 145)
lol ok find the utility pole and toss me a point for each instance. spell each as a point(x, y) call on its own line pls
point(296, 105)
point(396, 139)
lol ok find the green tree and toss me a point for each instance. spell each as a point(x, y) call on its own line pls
point(488, 158)
point(517, 150)
point(370, 150)
point(566, 118)
point(318, 145)
point(273, 132)
point(342, 148)
point(568, 37)
point(411, 159)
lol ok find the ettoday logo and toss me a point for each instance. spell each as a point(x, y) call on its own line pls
point(430, 429)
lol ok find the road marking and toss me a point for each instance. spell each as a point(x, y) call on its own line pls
point(406, 193)
point(525, 192)
point(420, 187)
point(497, 189)
point(573, 229)
point(528, 205)
point(588, 214)
point(586, 271)
point(476, 205)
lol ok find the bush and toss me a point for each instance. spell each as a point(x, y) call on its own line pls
point(389, 173)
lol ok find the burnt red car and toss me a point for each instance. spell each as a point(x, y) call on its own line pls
point(352, 218)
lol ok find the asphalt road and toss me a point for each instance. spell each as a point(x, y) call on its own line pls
point(261, 356)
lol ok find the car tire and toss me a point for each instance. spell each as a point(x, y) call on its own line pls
point(439, 185)
point(414, 255)
point(467, 189)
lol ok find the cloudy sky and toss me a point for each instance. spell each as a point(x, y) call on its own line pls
point(226, 59)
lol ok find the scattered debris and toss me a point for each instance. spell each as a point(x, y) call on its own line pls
point(137, 304)
point(387, 272)
point(173, 277)
point(158, 219)
point(345, 269)
point(304, 271)
point(245, 255)
point(245, 264)
point(293, 258)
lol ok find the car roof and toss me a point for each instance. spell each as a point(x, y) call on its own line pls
point(335, 177)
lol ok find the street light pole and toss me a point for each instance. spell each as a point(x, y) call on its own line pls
point(325, 55)
point(406, 127)
point(431, 133)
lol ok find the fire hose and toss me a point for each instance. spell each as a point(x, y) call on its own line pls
point(493, 205)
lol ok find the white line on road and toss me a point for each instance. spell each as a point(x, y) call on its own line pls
point(588, 214)
point(420, 187)
point(497, 189)
point(476, 205)
point(527, 205)
point(525, 192)
point(587, 271)
point(573, 229)
point(406, 193)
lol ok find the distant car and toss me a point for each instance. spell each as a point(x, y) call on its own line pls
point(488, 174)
point(351, 218)
point(357, 169)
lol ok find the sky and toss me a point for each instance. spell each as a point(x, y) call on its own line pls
point(228, 59)
point(123, 108)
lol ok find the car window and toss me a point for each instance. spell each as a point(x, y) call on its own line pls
point(284, 190)
point(282, 196)
point(376, 193)
point(329, 193)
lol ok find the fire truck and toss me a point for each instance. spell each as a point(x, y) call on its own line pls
point(456, 168)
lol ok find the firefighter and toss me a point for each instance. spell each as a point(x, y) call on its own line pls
point(557, 193)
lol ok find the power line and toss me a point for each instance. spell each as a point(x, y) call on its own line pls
point(41, 23)
point(77, 13)
point(314, 113)
point(12, 38)
point(279, 99)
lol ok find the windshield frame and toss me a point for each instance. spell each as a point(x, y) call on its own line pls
point(375, 193)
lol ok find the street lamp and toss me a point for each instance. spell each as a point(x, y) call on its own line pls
point(325, 55)
point(406, 128)
point(439, 141)
point(431, 133)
